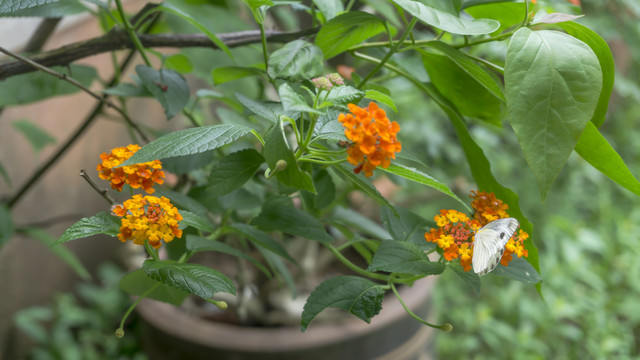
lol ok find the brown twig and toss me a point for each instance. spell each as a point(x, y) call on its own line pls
point(118, 40)
point(103, 192)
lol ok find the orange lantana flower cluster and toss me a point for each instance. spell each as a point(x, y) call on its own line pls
point(373, 136)
point(142, 175)
point(455, 231)
point(148, 218)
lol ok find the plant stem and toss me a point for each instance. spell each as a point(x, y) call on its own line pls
point(444, 327)
point(103, 192)
point(132, 33)
point(133, 306)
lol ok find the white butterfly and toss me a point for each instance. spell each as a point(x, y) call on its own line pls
point(489, 244)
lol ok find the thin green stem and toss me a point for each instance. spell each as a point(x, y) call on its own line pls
point(321, 161)
point(132, 33)
point(443, 327)
point(389, 53)
point(133, 306)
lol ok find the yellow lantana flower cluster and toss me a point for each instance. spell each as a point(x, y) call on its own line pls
point(373, 136)
point(142, 175)
point(148, 218)
point(455, 231)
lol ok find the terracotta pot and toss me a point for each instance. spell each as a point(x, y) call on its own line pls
point(169, 333)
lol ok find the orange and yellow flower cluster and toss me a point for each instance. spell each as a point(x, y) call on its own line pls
point(373, 136)
point(142, 175)
point(455, 231)
point(148, 218)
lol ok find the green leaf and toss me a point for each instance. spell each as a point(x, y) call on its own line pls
point(280, 215)
point(291, 101)
point(64, 254)
point(296, 61)
point(178, 62)
point(257, 108)
point(187, 142)
point(101, 223)
point(472, 279)
point(329, 8)
point(127, 90)
point(519, 269)
point(197, 244)
point(347, 30)
point(469, 95)
point(225, 74)
point(36, 86)
point(7, 228)
point(175, 8)
point(191, 278)
point(605, 58)
point(552, 82)
point(415, 175)
point(40, 8)
point(182, 201)
point(355, 219)
point(279, 268)
point(38, 138)
point(361, 182)
point(328, 127)
point(277, 149)
point(447, 21)
point(405, 258)
point(361, 297)
point(555, 18)
point(507, 13)
point(326, 190)
point(597, 151)
point(233, 171)
point(196, 221)
point(381, 98)
point(167, 86)
point(343, 95)
point(261, 239)
point(405, 225)
point(138, 283)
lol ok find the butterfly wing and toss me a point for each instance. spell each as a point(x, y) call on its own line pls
point(489, 244)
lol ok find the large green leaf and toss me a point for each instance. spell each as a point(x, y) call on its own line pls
point(507, 13)
point(191, 278)
point(198, 243)
point(196, 221)
point(138, 283)
point(233, 171)
point(602, 51)
point(343, 95)
point(187, 142)
point(101, 223)
point(361, 297)
point(329, 8)
point(257, 108)
point(167, 86)
point(552, 82)
point(347, 30)
point(447, 21)
point(36, 86)
point(405, 258)
point(277, 151)
point(415, 175)
point(279, 215)
point(296, 61)
point(519, 269)
point(597, 151)
point(40, 8)
point(291, 101)
point(405, 225)
point(261, 240)
point(361, 182)
point(38, 137)
point(328, 127)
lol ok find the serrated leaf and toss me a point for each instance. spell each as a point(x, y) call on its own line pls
point(291, 101)
point(138, 283)
point(262, 239)
point(277, 149)
point(381, 98)
point(472, 279)
point(233, 171)
point(415, 175)
point(361, 297)
point(7, 229)
point(187, 142)
point(40, 8)
point(405, 225)
point(605, 58)
point(64, 254)
point(197, 244)
point(101, 223)
point(278, 215)
point(38, 138)
point(296, 61)
point(191, 278)
point(447, 21)
point(36, 86)
point(552, 83)
point(196, 221)
point(347, 30)
point(225, 74)
point(405, 258)
point(257, 108)
point(167, 86)
point(342, 95)
point(518, 269)
point(328, 127)
point(361, 182)
point(596, 150)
